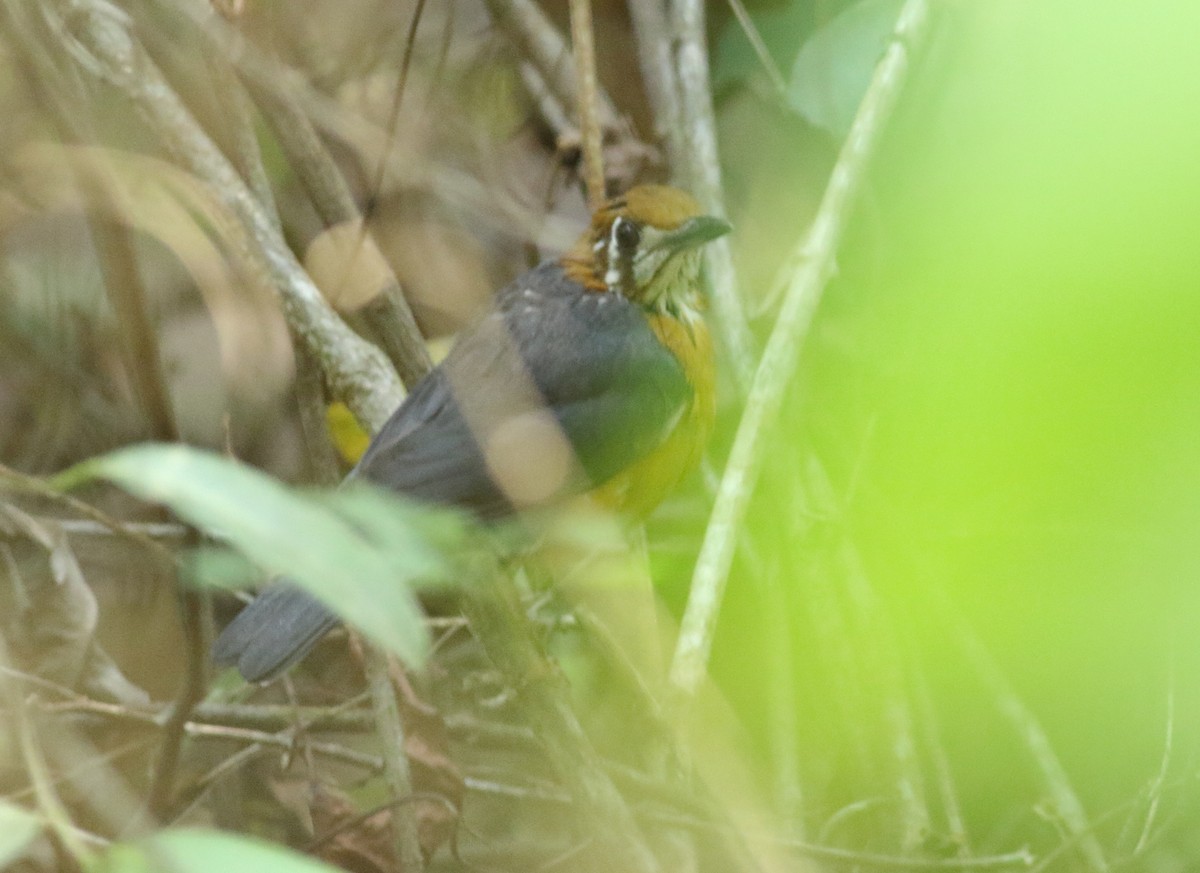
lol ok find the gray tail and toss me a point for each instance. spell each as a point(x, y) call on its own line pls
point(276, 630)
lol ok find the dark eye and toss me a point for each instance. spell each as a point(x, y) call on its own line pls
point(628, 235)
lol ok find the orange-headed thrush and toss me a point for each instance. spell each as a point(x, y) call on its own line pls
point(591, 372)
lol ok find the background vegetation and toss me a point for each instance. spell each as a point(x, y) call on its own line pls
point(943, 528)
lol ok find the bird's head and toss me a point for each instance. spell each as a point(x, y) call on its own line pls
point(645, 245)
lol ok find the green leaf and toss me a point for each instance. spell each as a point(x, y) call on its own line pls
point(188, 850)
point(781, 30)
point(835, 65)
point(18, 828)
point(359, 550)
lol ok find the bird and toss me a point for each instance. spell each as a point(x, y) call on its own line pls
point(593, 372)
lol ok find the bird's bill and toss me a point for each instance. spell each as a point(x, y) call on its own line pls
point(696, 232)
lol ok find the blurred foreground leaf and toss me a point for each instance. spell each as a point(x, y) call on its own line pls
point(18, 828)
point(199, 851)
point(834, 68)
point(358, 549)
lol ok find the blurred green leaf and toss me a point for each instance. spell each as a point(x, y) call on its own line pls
point(781, 30)
point(358, 549)
point(835, 65)
point(200, 851)
point(219, 566)
point(18, 828)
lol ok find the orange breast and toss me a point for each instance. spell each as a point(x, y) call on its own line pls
point(642, 486)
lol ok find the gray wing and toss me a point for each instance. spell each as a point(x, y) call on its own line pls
point(589, 358)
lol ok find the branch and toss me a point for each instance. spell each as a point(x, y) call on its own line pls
point(805, 275)
point(50, 804)
point(396, 770)
point(388, 310)
point(356, 372)
point(552, 112)
point(583, 41)
point(503, 631)
point(700, 172)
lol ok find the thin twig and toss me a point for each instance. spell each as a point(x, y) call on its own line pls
point(161, 530)
point(1027, 727)
point(553, 114)
point(760, 48)
point(393, 120)
point(1019, 858)
point(36, 767)
point(883, 661)
point(1155, 790)
point(956, 825)
point(134, 533)
point(285, 741)
point(314, 430)
point(126, 291)
point(396, 770)
point(193, 617)
point(123, 284)
point(584, 45)
point(807, 272)
point(389, 317)
point(394, 803)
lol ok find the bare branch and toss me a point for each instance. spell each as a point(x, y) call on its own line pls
point(583, 41)
point(396, 770)
point(388, 309)
point(805, 276)
point(356, 371)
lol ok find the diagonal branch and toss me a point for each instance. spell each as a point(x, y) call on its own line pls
point(334, 202)
point(355, 371)
point(805, 275)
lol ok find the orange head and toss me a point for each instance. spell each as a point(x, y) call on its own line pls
point(645, 245)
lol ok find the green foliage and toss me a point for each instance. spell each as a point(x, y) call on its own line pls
point(200, 851)
point(18, 828)
point(835, 64)
point(1003, 386)
point(830, 62)
point(359, 550)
